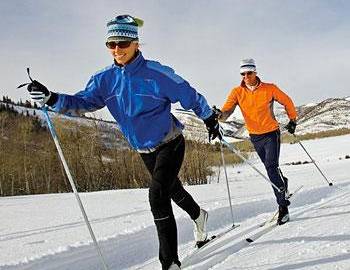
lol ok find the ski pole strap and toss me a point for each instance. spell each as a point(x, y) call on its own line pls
point(24, 84)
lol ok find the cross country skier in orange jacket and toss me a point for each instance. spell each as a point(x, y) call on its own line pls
point(255, 99)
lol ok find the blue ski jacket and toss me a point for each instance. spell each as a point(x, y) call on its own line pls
point(139, 97)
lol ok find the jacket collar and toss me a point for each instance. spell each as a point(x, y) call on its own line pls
point(133, 66)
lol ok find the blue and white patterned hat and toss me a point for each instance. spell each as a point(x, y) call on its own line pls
point(123, 27)
point(247, 65)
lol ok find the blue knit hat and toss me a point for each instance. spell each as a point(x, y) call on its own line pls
point(123, 27)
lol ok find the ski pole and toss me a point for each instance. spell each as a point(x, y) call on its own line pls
point(70, 178)
point(71, 181)
point(234, 150)
point(313, 161)
point(227, 185)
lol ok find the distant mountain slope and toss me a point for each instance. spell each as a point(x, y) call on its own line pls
point(109, 130)
point(330, 114)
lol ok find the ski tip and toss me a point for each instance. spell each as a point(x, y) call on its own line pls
point(249, 240)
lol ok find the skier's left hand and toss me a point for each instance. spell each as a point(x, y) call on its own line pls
point(213, 126)
point(38, 92)
point(218, 112)
point(291, 126)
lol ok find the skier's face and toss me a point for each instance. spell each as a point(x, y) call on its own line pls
point(123, 55)
point(249, 78)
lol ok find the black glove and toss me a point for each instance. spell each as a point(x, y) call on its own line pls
point(213, 126)
point(217, 111)
point(291, 126)
point(40, 94)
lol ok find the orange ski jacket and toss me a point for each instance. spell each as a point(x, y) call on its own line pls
point(257, 106)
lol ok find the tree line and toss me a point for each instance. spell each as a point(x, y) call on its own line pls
point(29, 163)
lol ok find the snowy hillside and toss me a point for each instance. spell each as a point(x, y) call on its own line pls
point(47, 231)
point(109, 131)
point(330, 114)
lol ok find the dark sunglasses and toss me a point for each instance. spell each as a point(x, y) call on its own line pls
point(246, 73)
point(121, 44)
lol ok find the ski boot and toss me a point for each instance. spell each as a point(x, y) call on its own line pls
point(174, 266)
point(283, 215)
point(200, 227)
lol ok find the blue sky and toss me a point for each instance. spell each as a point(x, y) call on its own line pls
point(302, 46)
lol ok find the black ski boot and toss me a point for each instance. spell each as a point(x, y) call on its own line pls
point(283, 215)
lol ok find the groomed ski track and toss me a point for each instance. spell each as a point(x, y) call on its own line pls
point(220, 253)
point(48, 232)
point(229, 247)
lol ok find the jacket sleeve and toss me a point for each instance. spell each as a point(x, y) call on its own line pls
point(229, 105)
point(176, 89)
point(286, 101)
point(87, 100)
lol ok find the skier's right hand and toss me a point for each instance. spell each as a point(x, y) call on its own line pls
point(40, 94)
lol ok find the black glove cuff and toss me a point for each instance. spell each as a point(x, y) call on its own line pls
point(53, 99)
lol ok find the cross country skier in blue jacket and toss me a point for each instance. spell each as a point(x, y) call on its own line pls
point(139, 93)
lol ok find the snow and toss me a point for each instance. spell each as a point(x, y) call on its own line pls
point(48, 231)
point(312, 104)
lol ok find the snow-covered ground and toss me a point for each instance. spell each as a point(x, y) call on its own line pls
point(48, 231)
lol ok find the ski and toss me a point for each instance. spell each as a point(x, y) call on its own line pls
point(201, 244)
point(270, 224)
point(274, 216)
point(207, 244)
point(263, 230)
point(209, 247)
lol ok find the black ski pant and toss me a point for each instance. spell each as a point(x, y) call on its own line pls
point(268, 148)
point(164, 165)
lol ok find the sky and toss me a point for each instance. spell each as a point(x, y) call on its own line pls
point(302, 46)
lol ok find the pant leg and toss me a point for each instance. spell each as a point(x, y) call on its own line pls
point(164, 165)
point(285, 179)
point(161, 209)
point(177, 192)
point(268, 148)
